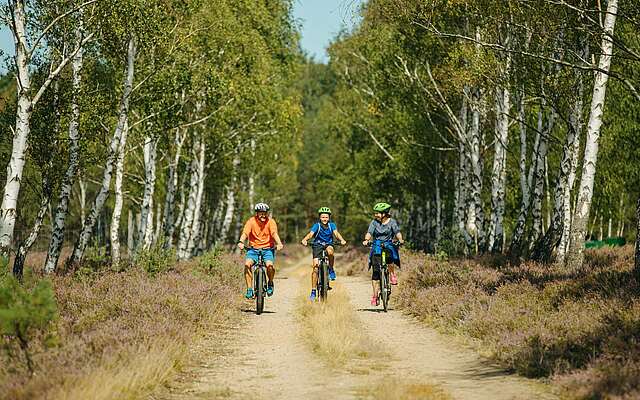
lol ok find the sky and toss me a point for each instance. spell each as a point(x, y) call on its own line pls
point(319, 20)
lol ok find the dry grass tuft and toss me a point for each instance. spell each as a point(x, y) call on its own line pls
point(331, 328)
point(121, 334)
point(581, 329)
point(393, 388)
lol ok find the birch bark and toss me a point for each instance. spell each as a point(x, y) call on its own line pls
point(475, 215)
point(172, 187)
point(83, 239)
point(23, 248)
point(195, 229)
point(62, 209)
point(146, 219)
point(118, 200)
point(186, 231)
point(231, 203)
point(25, 104)
point(575, 124)
point(543, 248)
point(575, 254)
point(499, 173)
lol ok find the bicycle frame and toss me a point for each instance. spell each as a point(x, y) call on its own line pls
point(259, 274)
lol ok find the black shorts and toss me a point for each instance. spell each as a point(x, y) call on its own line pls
point(376, 261)
point(316, 250)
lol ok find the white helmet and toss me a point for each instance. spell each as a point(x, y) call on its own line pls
point(261, 207)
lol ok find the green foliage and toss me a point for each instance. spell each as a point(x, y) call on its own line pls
point(210, 261)
point(157, 259)
point(26, 315)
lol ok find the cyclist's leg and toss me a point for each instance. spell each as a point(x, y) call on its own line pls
point(248, 262)
point(314, 273)
point(375, 278)
point(330, 252)
point(248, 276)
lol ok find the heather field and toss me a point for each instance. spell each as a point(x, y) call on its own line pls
point(115, 334)
point(581, 330)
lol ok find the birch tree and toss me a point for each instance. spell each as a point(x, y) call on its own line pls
point(27, 99)
point(575, 254)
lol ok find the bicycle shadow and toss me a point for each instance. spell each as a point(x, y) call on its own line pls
point(374, 310)
point(253, 311)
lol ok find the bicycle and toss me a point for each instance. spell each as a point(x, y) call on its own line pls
point(259, 271)
point(385, 284)
point(322, 286)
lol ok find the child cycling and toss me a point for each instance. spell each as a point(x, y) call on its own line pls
point(383, 230)
point(262, 233)
point(322, 232)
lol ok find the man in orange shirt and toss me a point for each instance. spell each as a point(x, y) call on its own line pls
point(262, 233)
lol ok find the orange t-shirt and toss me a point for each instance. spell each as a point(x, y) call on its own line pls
point(260, 234)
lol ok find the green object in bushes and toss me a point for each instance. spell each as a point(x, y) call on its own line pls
point(611, 242)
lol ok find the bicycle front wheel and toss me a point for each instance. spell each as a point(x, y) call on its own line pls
point(260, 293)
point(384, 288)
point(323, 280)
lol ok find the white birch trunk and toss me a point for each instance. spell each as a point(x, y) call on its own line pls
point(252, 185)
point(172, 187)
point(576, 126)
point(83, 240)
point(118, 197)
point(146, 219)
point(438, 231)
point(499, 172)
point(518, 231)
point(231, 204)
point(195, 228)
point(474, 214)
point(189, 212)
point(62, 209)
point(538, 173)
point(19, 145)
point(158, 227)
point(575, 255)
point(25, 246)
point(130, 234)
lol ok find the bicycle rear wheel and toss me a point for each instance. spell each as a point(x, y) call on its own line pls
point(323, 280)
point(259, 283)
point(384, 288)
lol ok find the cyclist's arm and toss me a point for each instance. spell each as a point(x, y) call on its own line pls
point(306, 238)
point(399, 237)
point(367, 238)
point(339, 236)
point(242, 239)
point(279, 244)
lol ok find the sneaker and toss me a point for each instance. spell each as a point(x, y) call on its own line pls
point(270, 289)
point(374, 300)
point(312, 297)
point(332, 274)
point(329, 287)
point(394, 279)
point(249, 294)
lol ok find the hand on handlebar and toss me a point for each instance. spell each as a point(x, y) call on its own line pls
point(343, 242)
point(366, 243)
point(279, 246)
point(241, 245)
point(304, 242)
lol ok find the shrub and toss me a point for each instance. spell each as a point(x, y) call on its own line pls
point(156, 259)
point(25, 315)
point(452, 243)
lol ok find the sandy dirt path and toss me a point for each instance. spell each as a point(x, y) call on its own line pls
point(265, 356)
point(419, 353)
